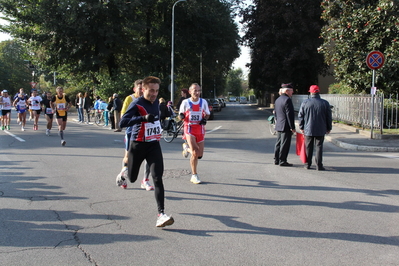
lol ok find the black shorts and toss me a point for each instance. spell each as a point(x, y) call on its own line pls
point(5, 112)
point(37, 111)
point(63, 117)
point(50, 116)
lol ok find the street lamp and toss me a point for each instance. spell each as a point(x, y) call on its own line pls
point(172, 80)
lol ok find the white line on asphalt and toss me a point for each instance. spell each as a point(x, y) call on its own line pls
point(216, 128)
point(390, 156)
point(12, 135)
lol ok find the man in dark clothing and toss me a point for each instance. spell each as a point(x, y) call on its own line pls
point(285, 125)
point(143, 116)
point(315, 121)
point(185, 94)
point(117, 112)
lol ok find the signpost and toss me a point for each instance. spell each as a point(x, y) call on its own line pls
point(374, 60)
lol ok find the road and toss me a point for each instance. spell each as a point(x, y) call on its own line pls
point(60, 205)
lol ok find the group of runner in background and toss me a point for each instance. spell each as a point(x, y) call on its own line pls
point(34, 104)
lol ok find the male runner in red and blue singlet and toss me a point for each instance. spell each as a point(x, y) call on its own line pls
point(194, 112)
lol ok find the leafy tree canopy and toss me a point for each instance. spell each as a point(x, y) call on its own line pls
point(354, 29)
point(234, 82)
point(283, 36)
point(14, 70)
point(112, 43)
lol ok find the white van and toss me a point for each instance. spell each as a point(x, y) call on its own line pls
point(243, 99)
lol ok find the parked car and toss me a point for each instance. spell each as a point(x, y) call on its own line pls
point(243, 99)
point(222, 102)
point(211, 116)
point(232, 99)
point(216, 105)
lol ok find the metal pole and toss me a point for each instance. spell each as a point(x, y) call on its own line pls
point(172, 65)
point(372, 105)
point(201, 70)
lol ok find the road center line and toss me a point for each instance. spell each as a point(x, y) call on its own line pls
point(216, 128)
point(14, 136)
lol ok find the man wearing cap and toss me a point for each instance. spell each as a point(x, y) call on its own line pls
point(117, 112)
point(285, 124)
point(315, 120)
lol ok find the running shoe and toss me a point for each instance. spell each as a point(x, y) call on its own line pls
point(164, 220)
point(8, 127)
point(194, 179)
point(22, 129)
point(47, 132)
point(146, 185)
point(120, 178)
point(63, 142)
point(2, 127)
point(35, 127)
point(185, 150)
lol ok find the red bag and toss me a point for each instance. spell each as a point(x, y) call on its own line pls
point(300, 147)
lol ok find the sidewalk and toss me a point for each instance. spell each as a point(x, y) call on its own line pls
point(347, 137)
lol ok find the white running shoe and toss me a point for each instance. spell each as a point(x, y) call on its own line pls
point(63, 142)
point(22, 129)
point(164, 220)
point(185, 150)
point(120, 178)
point(194, 179)
point(47, 132)
point(146, 185)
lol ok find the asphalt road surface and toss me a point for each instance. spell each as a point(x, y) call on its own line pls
point(60, 205)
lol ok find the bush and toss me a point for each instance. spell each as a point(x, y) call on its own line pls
point(339, 88)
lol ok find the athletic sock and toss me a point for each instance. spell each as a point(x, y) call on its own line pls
point(62, 134)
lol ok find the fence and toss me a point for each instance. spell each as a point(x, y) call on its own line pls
point(357, 109)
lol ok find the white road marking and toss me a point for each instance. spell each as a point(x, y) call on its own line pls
point(390, 156)
point(216, 128)
point(12, 135)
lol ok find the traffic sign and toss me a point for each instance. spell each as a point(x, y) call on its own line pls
point(33, 84)
point(375, 60)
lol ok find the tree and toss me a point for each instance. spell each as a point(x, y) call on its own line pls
point(119, 41)
point(14, 71)
point(283, 36)
point(234, 82)
point(356, 28)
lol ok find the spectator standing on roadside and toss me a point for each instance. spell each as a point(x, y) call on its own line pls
point(79, 105)
point(117, 112)
point(315, 120)
point(86, 106)
point(170, 108)
point(285, 124)
point(163, 111)
point(104, 108)
point(110, 108)
point(184, 95)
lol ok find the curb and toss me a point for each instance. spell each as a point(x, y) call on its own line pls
point(355, 147)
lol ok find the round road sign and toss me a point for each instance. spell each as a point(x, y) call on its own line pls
point(375, 60)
